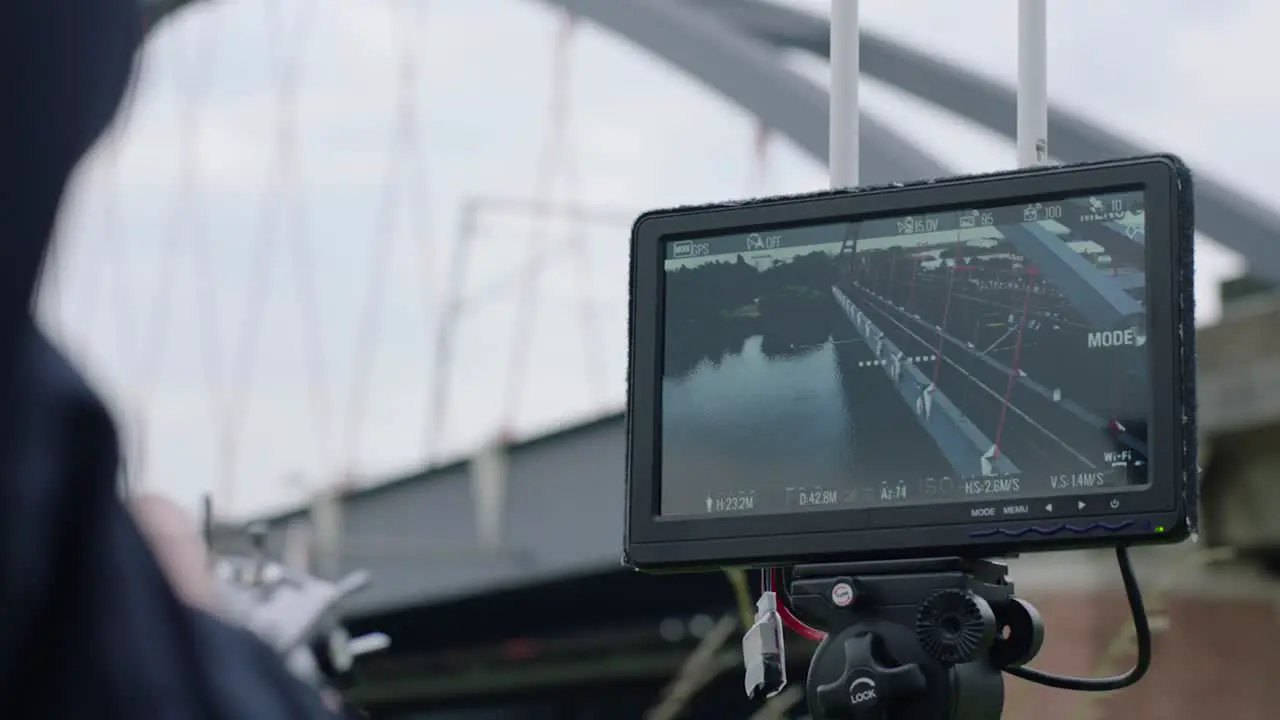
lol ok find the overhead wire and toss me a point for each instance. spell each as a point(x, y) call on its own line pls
point(307, 295)
point(537, 252)
point(145, 353)
point(459, 298)
point(283, 60)
point(452, 304)
point(415, 182)
point(310, 325)
point(193, 88)
point(575, 242)
point(404, 136)
point(206, 286)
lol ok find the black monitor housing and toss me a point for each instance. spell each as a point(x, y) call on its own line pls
point(975, 366)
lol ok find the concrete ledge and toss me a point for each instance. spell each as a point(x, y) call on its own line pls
point(1240, 497)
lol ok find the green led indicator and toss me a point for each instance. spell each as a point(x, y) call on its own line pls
point(1159, 528)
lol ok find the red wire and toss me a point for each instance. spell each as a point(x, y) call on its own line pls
point(1013, 368)
point(946, 312)
point(789, 620)
point(797, 626)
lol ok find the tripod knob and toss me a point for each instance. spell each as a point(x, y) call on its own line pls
point(866, 686)
point(955, 626)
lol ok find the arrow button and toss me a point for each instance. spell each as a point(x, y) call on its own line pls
point(1080, 505)
point(1048, 507)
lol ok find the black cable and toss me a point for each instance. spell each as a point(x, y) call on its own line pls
point(1142, 631)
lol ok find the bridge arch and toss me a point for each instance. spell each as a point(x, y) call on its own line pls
point(727, 44)
point(1245, 226)
point(747, 71)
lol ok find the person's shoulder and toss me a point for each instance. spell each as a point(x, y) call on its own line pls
point(93, 627)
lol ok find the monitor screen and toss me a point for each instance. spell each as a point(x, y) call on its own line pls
point(965, 355)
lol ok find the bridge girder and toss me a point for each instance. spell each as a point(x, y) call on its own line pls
point(1096, 296)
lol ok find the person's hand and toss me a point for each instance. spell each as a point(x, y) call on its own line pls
point(175, 539)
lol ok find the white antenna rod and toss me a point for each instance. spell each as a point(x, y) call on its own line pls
point(843, 138)
point(1033, 83)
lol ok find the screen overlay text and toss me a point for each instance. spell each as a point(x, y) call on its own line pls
point(989, 354)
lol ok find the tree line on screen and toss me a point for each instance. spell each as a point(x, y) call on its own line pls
point(714, 307)
point(758, 288)
point(760, 291)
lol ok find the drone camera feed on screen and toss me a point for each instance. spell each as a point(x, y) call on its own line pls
point(903, 360)
point(987, 365)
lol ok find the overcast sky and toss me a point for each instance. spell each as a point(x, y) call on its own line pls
point(157, 240)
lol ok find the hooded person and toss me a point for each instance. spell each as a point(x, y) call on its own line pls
point(92, 627)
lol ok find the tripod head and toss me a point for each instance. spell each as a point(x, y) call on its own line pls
point(912, 640)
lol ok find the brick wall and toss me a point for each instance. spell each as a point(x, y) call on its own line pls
point(1217, 659)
